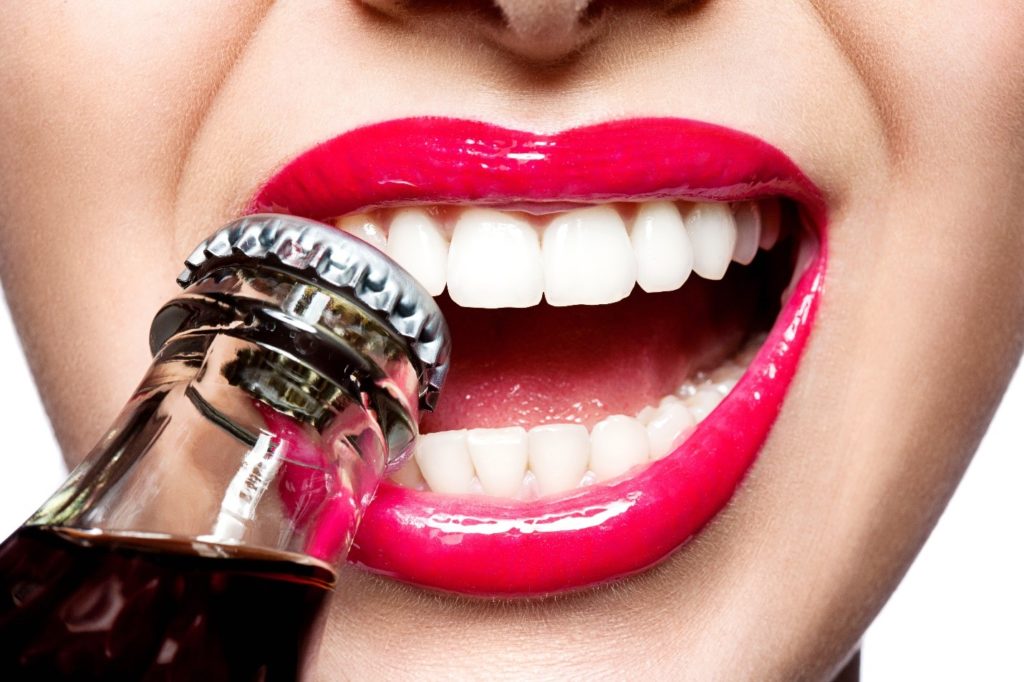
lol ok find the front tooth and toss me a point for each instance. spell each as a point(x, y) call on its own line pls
point(712, 231)
point(669, 426)
point(415, 240)
point(664, 256)
point(588, 259)
point(748, 232)
point(559, 455)
point(366, 228)
point(444, 460)
point(499, 456)
point(617, 444)
point(494, 261)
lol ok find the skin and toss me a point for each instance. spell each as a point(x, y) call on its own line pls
point(128, 131)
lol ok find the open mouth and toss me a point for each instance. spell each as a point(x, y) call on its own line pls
point(625, 325)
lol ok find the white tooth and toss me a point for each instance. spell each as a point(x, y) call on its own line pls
point(494, 261)
point(644, 415)
point(559, 455)
point(726, 386)
point(686, 390)
point(664, 256)
point(366, 228)
point(703, 402)
point(771, 223)
point(409, 475)
point(499, 456)
point(529, 489)
point(712, 232)
point(588, 259)
point(748, 232)
point(444, 460)
point(416, 242)
point(617, 444)
point(670, 425)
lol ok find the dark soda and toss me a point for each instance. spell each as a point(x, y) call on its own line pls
point(82, 606)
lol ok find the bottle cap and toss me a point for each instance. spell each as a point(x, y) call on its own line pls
point(343, 265)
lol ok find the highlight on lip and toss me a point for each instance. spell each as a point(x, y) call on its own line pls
point(625, 327)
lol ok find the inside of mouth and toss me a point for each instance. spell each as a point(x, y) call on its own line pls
point(544, 399)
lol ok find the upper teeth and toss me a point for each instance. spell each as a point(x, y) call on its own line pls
point(416, 242)
point(587, 258)
point(662, 246)
point(497, 259)
point(494, 261)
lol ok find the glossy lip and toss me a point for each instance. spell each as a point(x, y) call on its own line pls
point(488, 547)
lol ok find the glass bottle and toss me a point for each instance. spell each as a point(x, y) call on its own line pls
point(201, 536)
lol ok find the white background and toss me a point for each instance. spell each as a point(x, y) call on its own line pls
point(959, 614)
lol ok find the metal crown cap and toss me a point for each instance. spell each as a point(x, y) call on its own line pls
point(345, 265)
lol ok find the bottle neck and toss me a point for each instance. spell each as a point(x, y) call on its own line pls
point(228, 441)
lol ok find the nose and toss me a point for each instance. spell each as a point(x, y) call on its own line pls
point(543, 28)
point(536, 30)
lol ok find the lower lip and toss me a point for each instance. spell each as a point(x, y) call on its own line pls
point(604, 532)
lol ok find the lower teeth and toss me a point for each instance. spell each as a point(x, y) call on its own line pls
point(555, 458)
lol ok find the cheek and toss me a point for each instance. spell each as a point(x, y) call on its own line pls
point(935, 70)
point(103, 101)
point(937, 247)
point(108, 96)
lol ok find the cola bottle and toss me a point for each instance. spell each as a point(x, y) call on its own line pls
point(201, 537)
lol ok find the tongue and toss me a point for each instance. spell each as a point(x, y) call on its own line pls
point(579, 364)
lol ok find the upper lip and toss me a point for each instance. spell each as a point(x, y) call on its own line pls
point(601, 532)
point(454, 161)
